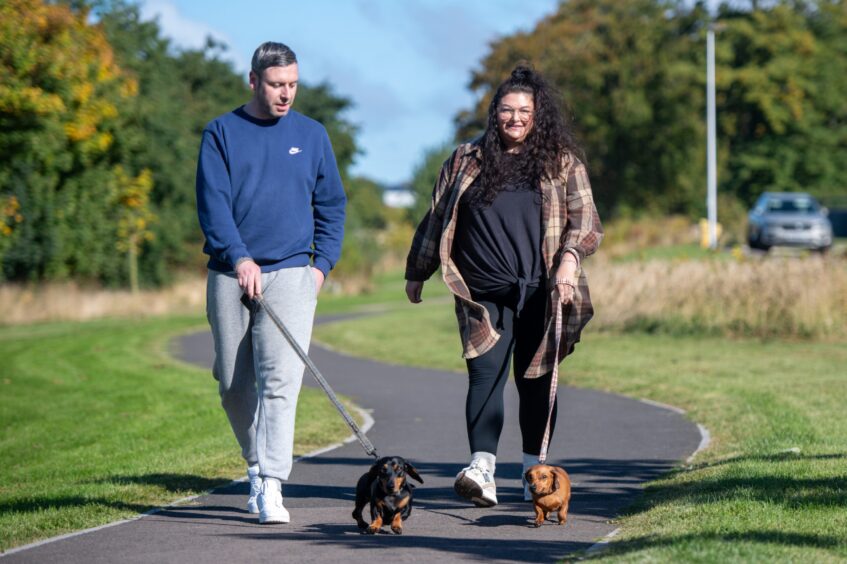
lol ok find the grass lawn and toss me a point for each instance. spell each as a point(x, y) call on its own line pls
point(98, 423)
point(773, 484)
point(388, 292)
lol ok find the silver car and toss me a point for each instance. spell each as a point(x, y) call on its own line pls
point(792, 219)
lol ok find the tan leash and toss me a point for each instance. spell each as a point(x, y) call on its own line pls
point(554, 384)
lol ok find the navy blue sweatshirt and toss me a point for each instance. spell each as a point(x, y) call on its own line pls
point(269, 190)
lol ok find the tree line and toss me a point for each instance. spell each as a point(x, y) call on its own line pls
point(100, 121)
point(632, 74)
point(100, 118)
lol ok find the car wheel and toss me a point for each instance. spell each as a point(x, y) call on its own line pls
point(754, 243)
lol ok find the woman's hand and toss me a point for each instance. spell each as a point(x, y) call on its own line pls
point(414, 289)
point(566, 279)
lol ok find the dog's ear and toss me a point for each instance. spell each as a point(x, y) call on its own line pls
point(410, 470)
point(374, 469)
point(526, 476)
point(555, 481)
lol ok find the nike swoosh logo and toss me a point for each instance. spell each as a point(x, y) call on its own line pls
point(294, 150)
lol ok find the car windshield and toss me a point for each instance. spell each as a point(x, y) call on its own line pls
point(792, 205)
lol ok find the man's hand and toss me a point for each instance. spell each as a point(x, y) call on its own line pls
point(319, 279)
point(249, 278)
point(414, 289)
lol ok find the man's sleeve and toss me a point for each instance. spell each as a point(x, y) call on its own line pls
point(214, 202)
point(328, 204)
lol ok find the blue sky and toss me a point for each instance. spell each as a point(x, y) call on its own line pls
point(404, 63)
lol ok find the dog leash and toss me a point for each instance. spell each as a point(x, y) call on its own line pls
point(554, 383)
point(363, 439)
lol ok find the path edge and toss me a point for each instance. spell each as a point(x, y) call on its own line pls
point(367, 423)
point(705, 440)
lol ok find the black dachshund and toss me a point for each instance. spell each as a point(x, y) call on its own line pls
point(385, 487)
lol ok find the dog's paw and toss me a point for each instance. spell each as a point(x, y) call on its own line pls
point(371, 531)
point(536, 524)
point(397, 530)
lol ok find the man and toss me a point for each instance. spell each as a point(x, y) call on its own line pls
point(271, 205)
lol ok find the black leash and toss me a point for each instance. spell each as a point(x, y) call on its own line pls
point(363, 439)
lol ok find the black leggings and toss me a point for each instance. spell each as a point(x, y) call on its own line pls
point(488, 374)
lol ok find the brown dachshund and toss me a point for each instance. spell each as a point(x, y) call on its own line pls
point(550, 487)
point(385, 487)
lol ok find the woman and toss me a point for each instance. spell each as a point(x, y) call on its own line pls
point(512, 218)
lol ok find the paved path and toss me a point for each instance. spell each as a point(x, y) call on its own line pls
point(609, 444)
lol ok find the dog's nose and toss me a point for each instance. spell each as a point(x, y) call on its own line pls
point(532, 487)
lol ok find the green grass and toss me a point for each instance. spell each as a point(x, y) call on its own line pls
point(748, 497)
point(389, 291)
point(98, 423)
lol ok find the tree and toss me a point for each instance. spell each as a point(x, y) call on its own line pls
point(60, 94)
point(627, 71)
point(362, 247)
point(322, 104)
point(782, 74)
point(132, 197)
point(424, 178)
point(633, 73)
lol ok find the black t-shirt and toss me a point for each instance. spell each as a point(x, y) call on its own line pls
point(497, 248)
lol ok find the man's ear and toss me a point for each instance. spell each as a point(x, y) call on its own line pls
point(254, 81)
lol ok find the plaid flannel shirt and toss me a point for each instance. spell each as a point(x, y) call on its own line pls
point(569, 223)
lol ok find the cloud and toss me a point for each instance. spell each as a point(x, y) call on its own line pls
point(445, 33)
point(376, 102)
point(186, 33)
point(456, 39)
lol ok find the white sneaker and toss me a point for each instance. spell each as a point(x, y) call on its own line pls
point(529, 460)
point(476, 484)
point(271, 509)
point(255, 488)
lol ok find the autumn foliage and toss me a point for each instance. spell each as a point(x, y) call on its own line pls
point(100, 121)
point(60, 98)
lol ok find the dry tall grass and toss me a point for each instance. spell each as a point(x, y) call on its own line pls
point(70, 302)
point(803, 297)
point(785, 297)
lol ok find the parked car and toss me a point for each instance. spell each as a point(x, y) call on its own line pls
point(792, 219)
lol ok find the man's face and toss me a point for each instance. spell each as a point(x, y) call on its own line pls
point(274, 90)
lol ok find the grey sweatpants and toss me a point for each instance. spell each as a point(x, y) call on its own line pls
point(258, 373)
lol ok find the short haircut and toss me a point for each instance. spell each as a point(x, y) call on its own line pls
point(271, 54)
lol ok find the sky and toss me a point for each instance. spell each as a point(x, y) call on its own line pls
point(405, 64)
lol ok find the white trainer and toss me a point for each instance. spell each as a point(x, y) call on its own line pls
point(476, 484)
point(255, 488)
point(271, 510)
point(529, 460)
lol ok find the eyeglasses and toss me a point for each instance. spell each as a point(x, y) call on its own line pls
point(508, 113)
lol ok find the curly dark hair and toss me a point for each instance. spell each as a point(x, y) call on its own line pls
point(549, 138)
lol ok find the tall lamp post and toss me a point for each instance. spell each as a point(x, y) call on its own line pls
point(711, 146)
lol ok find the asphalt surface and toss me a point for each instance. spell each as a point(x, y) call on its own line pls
point(610, 445)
